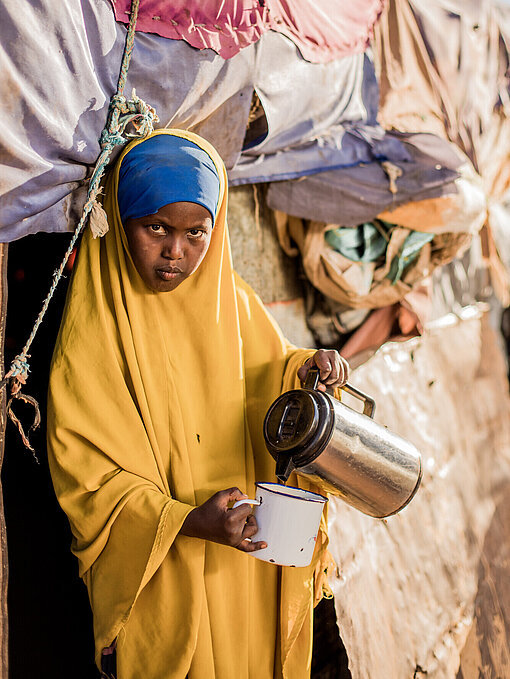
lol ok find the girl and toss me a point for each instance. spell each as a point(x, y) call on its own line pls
point(164, 368)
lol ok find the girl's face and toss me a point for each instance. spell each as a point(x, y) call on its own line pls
point(169, 246)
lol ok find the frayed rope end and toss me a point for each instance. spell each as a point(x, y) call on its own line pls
point(15, 420)
point(17, 376)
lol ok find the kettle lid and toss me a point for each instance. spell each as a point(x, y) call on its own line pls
point(299, 424)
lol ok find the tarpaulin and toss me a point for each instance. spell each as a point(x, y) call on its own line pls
point(406, 586)
point(319, 117)
point(55, 100)
point(465, 210)
point(55, 93)
point(428, 168)
point(323, 30)
point(454, 82)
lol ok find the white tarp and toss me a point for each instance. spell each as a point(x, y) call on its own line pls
point(406, 587)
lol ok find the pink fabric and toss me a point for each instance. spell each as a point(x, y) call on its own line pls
point(323, 30)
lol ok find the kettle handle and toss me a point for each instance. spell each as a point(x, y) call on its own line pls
point(368, 401)
point(312, 380)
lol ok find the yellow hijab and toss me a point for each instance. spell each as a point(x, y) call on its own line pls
point(156, 401)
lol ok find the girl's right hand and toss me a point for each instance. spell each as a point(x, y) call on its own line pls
point(215, 521)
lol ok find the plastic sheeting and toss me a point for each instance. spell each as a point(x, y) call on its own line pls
point(352, 195)
point(55, 94)
point(406, 586)
point(444, 69)
point(319, 116)
point(464, 211)
point(454, 82)
point(323, 30)
point(55, 100)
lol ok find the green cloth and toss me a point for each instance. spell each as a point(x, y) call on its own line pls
point(368, 242)
point(364, 243)
point(407, 254)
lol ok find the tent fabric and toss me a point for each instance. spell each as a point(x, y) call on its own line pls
point(428, 571)
point(63, 86)
point(56, 97)
point(352, 195)
point(456, 83)
point(321, 118)
point(453, 82)
point(465, 210)
point(365, 285)
point(323, 30)
point(302, 100)
point(368, 242)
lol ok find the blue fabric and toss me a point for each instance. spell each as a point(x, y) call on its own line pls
point(166, 169)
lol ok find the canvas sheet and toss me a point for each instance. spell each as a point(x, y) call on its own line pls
point(406, 586)
point(454, 82)
point(427, 165)
point(323, 30)
point(56, 93)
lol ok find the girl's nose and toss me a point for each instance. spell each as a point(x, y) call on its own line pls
point(173, 247)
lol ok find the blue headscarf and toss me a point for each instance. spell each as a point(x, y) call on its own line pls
point(166, 169)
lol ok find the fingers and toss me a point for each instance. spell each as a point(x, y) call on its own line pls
point(342, 372)
point(303, 371)
point(223, 498)
point(240, 514)
point(248, 546)
point(250, 529)
point(333, 368)
point(234, 527)
point(328, 363)
point(233, 494)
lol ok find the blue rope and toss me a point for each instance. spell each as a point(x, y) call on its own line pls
point(121, 113)
point(19, 366)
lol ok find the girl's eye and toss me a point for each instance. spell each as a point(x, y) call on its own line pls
point(195, 233)
point(156, 228)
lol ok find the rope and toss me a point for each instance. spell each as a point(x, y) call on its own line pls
point(121, 114)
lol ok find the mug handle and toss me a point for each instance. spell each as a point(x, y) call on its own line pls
point(246, 501)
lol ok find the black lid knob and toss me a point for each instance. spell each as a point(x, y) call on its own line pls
point(298, 424)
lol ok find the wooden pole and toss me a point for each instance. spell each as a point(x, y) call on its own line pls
point(4, 571)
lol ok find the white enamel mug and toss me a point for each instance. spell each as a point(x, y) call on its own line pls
point(288, 521)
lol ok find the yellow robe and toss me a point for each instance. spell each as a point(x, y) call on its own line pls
point(156, 401)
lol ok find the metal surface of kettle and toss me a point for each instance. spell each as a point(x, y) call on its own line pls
point(344, 452)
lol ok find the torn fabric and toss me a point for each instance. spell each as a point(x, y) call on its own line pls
point(323, 30)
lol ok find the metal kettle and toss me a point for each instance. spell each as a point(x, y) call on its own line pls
point(344, 452)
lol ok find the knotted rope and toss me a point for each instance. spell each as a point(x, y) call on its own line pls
point(121, 113)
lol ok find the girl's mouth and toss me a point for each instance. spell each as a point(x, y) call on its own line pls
point(169, 274)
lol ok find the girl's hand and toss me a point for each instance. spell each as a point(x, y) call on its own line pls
point(333, 369)
point(214, 521)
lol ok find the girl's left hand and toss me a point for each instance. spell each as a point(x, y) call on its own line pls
point(333, 369)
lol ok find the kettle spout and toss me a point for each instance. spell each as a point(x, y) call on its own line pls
point(284, 467)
